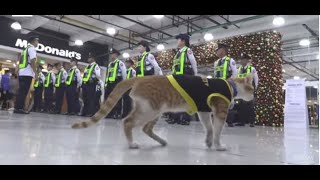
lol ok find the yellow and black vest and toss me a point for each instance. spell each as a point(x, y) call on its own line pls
point(23, 63)
point(71, 77)
point(39, 82)
point(141, 67)
point(58, 79)
point(112, 72)
point(181, 65)
point(129, 73)
point(244, 72)
point(47, 81)
point(198, 91)
point(88, 72)
point(221, 69)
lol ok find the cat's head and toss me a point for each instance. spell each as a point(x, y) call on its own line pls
point(244, 87)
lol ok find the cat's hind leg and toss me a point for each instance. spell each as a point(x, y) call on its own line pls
point(148, 129)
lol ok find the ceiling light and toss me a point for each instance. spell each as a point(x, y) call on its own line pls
point(125, 55)
point(158, 16)
point(283, 87)
point(296, 77)
point(14, 65)
point(315, 87)
point(111, 31)
point(278, 21)
point(160, 47)
point(304, 42)
point(78, 42)
point(209, 77)
point(208, 37)
point(16, 26)
point(8, 60)
point(22, 15)
point(283, 70)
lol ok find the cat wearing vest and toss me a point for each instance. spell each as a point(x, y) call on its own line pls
point(154, 95)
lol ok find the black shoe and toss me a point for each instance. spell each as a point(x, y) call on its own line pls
point(251, 125)
point(239, 124)
point(20, 111)
point(171, 121)
point(230, 125)
point(71, 114)
point(184, 123)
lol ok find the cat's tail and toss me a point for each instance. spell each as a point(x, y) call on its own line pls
point(108, 105)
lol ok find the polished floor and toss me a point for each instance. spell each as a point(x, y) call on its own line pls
point(48, 139)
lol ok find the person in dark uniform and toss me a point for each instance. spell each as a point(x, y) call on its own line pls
point(224, 68)
point(60, 87)
point(38, 91)
point(73, 85)
point(90, 80)
point(127, 102)
point(48, 89)
point(116, 72)
point(27, 71)
point(184, 63)
point(246, 109)
point(147, 64)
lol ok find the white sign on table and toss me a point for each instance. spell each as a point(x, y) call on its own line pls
point(295, 111)
point(296, 138)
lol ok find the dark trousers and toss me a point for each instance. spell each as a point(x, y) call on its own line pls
point(246, 112)
point(97, 100)
point(180, 117)
point(127, 104)
point(24, 86)
point(72, 98)
point(38, 98)
point(118, 107)
point(89, 97)
point(59, 97)
point(48, 98)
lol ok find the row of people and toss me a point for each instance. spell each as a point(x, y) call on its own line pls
point(184, 62)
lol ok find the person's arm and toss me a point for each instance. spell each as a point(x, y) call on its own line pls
point(153, 62)
point(214, 68)
point(53, 76)
point(233, 66)
point(33, 58)
point(64, 75)
point(123, 70)
point(97, 71)
point(79, 80)
point(192, 61)
point(134, 73)
point(255, 77)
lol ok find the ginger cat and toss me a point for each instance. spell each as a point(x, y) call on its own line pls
point(154, 95)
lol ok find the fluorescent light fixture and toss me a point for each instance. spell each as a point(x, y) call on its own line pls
point(8, 60)
point(111, 31)
point(16, 26)
point(158, 16)
point(125, 55)
point(283, 70)
point(209, 77)
point(296, 77)
point(208, 37)
point(78, 42)
point(278, 21)
point(304, 42)
point(160, 47)
point(22, 15)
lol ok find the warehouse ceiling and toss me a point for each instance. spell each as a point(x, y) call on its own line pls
point(130, 29)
